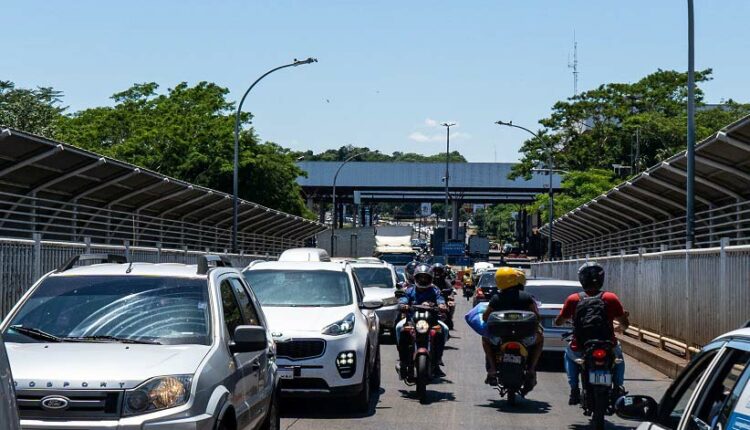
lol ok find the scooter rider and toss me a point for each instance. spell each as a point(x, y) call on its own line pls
point(440, 276)
point(591, 276)
point(511, 297)
point(422, 292)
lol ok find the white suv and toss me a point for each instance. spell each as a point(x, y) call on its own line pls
point(326, 330)
point(380, 281)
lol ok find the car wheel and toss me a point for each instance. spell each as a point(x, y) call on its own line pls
point(273, 419)
point(361, 402)
point(375, 375)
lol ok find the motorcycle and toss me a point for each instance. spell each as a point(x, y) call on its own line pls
point(424, 328)
point(450, 302)
point(468, 291)
point(517, 331)
point(597, 367)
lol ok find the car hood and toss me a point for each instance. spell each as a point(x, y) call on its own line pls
point(98, 365)
point(377, 293)
point(286, 320)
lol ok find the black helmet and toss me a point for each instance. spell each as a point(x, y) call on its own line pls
point(438, 270)
point(423, 276)
point(409, 270)
point(591, 276)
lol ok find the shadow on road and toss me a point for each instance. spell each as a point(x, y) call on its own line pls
point(607, 426)
point(432, 396)
point(326, 409)
point(522, 406)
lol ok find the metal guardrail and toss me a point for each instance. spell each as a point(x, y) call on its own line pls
point(22, 216)
point(690, 296)
point(730, 222)
point(23, 261)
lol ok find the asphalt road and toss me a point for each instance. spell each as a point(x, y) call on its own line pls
point(461, 400)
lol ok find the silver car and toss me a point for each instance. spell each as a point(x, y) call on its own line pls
point(380, 282)
point(8, 409)
point(550, 295)
point(136, 346)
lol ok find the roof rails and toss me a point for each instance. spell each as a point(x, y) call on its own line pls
point(209, 261)
point(102, 258)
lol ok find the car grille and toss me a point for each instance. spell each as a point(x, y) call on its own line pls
point(300, 349)
point(83, 404)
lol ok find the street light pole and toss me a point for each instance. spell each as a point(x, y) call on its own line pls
point(235, 173)
point(333, 209)
point(447, 126)
point(550, 170)
point(690, 186)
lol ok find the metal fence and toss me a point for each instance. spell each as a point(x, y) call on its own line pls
point(24, 261)
point(23, 216)
point(729, 222)
point(691, 295)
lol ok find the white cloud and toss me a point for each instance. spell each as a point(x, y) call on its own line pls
point(419, 137)
point(435, 135)
point(429, 122)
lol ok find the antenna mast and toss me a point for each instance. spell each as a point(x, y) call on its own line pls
point(574, 64)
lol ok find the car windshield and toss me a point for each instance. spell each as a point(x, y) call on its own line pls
point(302, 288)
point(397, 259)
point(552, 294)
point(116, 308)
point(487, 280)
point(379, 277)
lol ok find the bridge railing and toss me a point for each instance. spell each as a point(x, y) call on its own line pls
point(688, 295)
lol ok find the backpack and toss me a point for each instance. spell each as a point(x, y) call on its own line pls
point(590, 321)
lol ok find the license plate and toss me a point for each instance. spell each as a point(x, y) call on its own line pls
point(285, 373)
point(600, 377)
point(512, 359)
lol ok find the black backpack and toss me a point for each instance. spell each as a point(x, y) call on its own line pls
point(590, 321)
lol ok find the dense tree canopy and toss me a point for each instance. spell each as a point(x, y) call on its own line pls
point(35, 111)
point(374, 155)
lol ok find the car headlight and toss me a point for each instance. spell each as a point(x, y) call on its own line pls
point(422, 326)
point(158, 393)
point(390, 301)
point(344, 326)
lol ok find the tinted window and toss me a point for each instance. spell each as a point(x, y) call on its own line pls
point(232, 315)
point(300, 287)
point(159, 309)
point(246, 304)
point(552, 294)
point(379, 277)
point(487, 280)
point(719, 387)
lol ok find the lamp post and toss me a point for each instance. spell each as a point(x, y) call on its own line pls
point(447, 126)
point(235, 174)
point(333, 209)
point(690, 186)
point(550, 170)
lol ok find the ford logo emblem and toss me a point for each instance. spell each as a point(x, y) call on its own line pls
point(55, 403)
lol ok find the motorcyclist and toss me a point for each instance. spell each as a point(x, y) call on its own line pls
point(510, 296)
point(440, 276)
point(409, 274)
point(422, 292)
point(591, 276)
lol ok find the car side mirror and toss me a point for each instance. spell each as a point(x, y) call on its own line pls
point(636, 408)
point(248, 338)
point(371, 304)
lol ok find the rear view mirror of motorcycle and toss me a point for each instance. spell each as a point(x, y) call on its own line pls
point(636, 408)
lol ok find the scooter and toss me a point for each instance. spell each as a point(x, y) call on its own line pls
point(517, 331)
point(597, 367)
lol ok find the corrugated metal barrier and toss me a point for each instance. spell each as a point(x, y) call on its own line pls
point(690, 295)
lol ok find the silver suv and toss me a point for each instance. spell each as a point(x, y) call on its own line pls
point(142, 346)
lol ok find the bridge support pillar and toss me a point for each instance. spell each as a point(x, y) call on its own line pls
point(456, 205)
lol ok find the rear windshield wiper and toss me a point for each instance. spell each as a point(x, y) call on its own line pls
point(105, 338)
point(35, 333)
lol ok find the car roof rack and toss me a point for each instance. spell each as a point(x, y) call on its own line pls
point(209, 261)
point(101, 258)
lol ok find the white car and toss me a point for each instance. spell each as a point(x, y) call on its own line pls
point(8, 408)
point(550, 295)
point(326, 331)
point(380, 282)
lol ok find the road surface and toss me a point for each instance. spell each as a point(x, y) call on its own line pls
point(461, 400)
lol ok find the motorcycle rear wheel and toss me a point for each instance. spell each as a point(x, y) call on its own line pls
point(423, 376)
point(512, 398)
point(600, 403)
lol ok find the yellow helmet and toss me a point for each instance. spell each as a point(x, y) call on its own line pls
point(507, 277)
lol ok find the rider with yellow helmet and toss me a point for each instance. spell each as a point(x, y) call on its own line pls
point(511, 297)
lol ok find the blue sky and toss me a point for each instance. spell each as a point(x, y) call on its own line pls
point(389, 71)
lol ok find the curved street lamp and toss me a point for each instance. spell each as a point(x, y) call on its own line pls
point(550, 170)
point(333, 209)
point(235, 182)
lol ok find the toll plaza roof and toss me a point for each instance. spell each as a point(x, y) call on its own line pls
point(32, 166)
point(384, 181)
point(722, 179)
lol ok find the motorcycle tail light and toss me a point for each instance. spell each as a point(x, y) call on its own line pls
point(574, 345)
point(599, 354)
point(513, 346)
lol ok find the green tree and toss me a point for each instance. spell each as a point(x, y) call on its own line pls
point(345, 152)
point(33, 110)
point(577, 188)
point(187, 133)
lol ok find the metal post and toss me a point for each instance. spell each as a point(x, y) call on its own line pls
point(333, 210)
point(447, 176)
point(551, 202)
point(235, 173)
point(690, 221)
